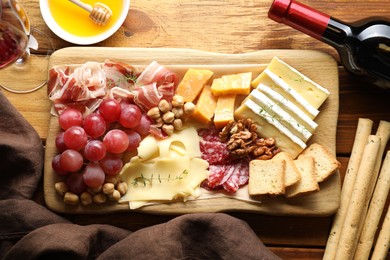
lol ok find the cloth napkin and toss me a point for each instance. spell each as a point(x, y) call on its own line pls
point(28, 230)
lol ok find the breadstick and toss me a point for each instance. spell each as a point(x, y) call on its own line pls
point(349, 234)
point(382, 245)
point(362, 132)
point(369, 223)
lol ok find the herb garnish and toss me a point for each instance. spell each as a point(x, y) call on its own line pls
point(144, 180)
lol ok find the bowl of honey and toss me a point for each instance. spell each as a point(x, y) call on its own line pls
point(72, 23)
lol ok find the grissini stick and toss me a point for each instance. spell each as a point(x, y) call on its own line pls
point(379, 194)
point(99, 12)
point(383, 242)
point(363, 130)
point(350, 231)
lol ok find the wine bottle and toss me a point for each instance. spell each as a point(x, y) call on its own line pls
point(363, 46)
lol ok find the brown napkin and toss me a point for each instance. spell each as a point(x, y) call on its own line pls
point(30, 231)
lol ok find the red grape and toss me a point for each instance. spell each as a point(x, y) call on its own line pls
point(71, 160)
point(70, 117)
point(75, 138)
point(95, 150)
point(93, 175)
point(75, 183)
point(60, 144)
point(94, 125)
point(116, 141)
point(110, 109)
point(111, 165)
point(134, 140)
point(130, 115)
point(144, 125)
point(56, 165)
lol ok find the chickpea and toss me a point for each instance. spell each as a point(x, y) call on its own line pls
point(177, 124)
point(154, 113)
point(115, 196)
point(122, 188)
point(189, 108)
point(178, 112)
point(164, 106)
point(168, 129)
point(108, 188)
point(95, 190)
point(61, 188)
point(86, 198)
point(99, 198)
point(112, 179)
point(177, 101)
point(71, 198)
point(168, 117)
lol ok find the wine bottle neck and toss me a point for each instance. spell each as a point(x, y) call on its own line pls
point(300, 17)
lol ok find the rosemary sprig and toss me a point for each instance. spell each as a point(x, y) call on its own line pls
point(148, 181)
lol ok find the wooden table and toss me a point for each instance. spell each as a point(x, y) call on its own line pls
point(231, 27)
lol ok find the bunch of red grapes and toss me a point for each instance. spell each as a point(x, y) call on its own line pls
point(92, 147)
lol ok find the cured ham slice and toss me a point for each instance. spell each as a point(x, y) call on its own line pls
point(147, 96)
point(120, 75)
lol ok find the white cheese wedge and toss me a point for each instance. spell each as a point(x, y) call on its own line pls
point(273, 81)
point(268, 127)
point(289, 107)
point(314, 93)
point(163, 179)
point(279, 114)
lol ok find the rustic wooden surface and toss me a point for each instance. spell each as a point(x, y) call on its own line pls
point(230, 27)
point(319, 66)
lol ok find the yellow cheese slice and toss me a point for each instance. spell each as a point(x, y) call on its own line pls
point(205, 106)
point(163, 179)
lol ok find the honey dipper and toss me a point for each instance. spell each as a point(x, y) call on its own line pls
point(99, 12)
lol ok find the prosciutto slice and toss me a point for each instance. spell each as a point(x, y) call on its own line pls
point(154, 84)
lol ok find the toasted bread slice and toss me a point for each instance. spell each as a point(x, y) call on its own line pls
point(308, 182)
point(267, 177)
point(292, 174)
point(325, 163)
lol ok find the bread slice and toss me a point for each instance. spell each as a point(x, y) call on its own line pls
point(325, 163)
point(292, 174)
point(267, 177)
point(308, 182)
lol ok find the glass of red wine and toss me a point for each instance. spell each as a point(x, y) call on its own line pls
point(18, 40)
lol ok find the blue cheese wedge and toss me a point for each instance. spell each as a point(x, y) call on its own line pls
point(314, 93)
point(289, 107)
point(268, 126)
point(279, 114)
point(274, 81)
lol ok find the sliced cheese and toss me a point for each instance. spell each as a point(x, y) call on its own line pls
point(237, 84)
point(192, 83)
point(268, 127)
point(279, 114)
point(289, 107)
point(310, 90)
point(180, 143)
point(273, 81)
point(224, 111)
point(205, 106)
point(163, 179)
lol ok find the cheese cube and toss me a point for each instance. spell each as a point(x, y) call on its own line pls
point(237, 84)
point(224, 111)
point(267, 127)
point(205, 106)
point(192, 83)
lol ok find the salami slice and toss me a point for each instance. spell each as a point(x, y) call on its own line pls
point(214, 152)
point(239, 177)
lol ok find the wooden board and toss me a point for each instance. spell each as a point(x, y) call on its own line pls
point(316, 65)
